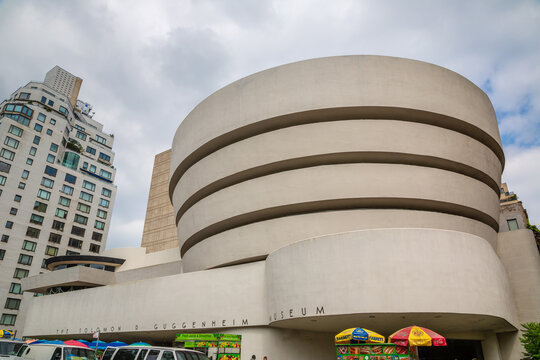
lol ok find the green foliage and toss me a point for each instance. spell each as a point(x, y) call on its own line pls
point(531, 341)
point(533, 228)
point(75, 146)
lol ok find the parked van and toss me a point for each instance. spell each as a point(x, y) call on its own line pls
point(152, 353)
point(9, 346)
point(57, 352)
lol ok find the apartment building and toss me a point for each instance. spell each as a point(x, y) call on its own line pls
point(56, 186)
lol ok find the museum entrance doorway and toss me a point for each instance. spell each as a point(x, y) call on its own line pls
point(455, 350)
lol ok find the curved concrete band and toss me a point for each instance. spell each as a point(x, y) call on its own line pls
point(327, 138)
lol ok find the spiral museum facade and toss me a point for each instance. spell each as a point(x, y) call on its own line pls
point(342, 191)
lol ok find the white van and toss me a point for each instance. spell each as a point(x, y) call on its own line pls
point(9, 346)
point(152, 353)
point(57, 352)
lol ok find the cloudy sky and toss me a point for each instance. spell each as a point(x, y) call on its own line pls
point(146, 64)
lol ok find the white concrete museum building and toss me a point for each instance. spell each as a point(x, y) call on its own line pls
point(316, 196)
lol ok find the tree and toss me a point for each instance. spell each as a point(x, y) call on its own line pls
point(531, 341)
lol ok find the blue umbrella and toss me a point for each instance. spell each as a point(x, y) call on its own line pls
point(140, 343)
point(101, 345)
point(84, 342)
point(117, 343)
point(38, 342)
point(54, 342)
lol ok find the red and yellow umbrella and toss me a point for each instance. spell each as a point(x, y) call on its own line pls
point(417, 336)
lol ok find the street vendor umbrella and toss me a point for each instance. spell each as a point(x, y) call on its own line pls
point(117, 343)
point(417, 336)
point(75, 343)
point(53, 342)
point(101, 345)
point(85, 342)
point(140, 343)
point(358, 335)
point(6, 334)
point(34, 341)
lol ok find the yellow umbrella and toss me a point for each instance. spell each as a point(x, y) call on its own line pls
point(6, 334)
point(358, 335)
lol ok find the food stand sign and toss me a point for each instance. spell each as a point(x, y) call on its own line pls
point(372, 352)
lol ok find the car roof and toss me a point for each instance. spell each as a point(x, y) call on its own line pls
point(62, 345)
point(157, 348)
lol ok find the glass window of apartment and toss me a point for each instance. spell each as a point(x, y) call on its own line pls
point(93, 168)
point(50, 103)
point(29, 245)
point(68, 190)
point(12, 304)
point(49, 132)
point(41, 117)
point(104, 157)
point(51, 158)
point(36, 140)
point(101, 140)
point(97, 236)
point(80, 219)
point(69, 252)
point(100, 225)
point(91, 150)
point(36, 219)
point(5, 167)
point(15, 288)
point(88, 185)
point(38, 128)
point(8, 319)
point(61, 213)
point(25, 174)
point(50, 171)
point(32, 232)
point(17, 198)
point(75, 243)
point(22, 185)
point(64, 201)
point(94, 248)
point(29, 161)
point(5, 238)
point(101, 214)
point(2, 254)
point(79, 231)
point(83, 208)
point(11, 142)
point(63, 110)
point(71, 160)
point(70, 178)
point(55, 238)
point(51, 250)
point(3, 180)
point(24, 96)
point(43, 194)
point(7, 154)
point(13, 211)
point(105, 174)
point(512, 224)
point(15, 130)
point(106, 192)
point(85, 165)
point(33, 151)
point(39, 206)
point(9, 224)
point(80, 135)
point(20, 273)
point(25, 259)
point(86, 196)
point(58, 225)
point(48, 183)
point(52, 121)
point(43, 99)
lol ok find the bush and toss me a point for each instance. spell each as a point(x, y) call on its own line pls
point(531, 341)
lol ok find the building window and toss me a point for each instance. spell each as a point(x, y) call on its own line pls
point(41, 117)
point(101, 140)
point(36, 140)
point(17, 198)
point(38, 128)
point(70, 178)
point(43, 194)
point(106, 192)
point(58, 225)
point(94, 248)
point(92, 169)
point(8, 319)
point(43, 99)
point(49, 132)
point(48, 183)
point(88, 185)
point(79, 231)
point(63, 110)
point(2, 254)
point(32, 232)
point(22, 185)
point(11, 142)
point(71, 160)
point(3, 180)
point(80, 135)
point(55, 238)
point(75, 243)
point(86, 196)
point(39, 206)
point(83, 208)
point(512, 224)
point(12, 304)
point(104, 203)
point(101, 214)
point(52, 121)
point(25, 259)
point(33, 151)
point(15, 130)
point(5, 238)
point(13, 211)
point(64, 201)
point(68, 190)
point(25, 174)
point(53, 147)
point(36, 219)
point(29, 161)
point(105, 174)
point(20, 273)
point(7, 154)
point(91, 150)
point(100, 225)
point(50, 171)
point(80, 219)
point(9, 224)
point(24, 96)
point(29, 245)
point(4, 167)
point(15, 288)
point(51, 250)
point(61, 213)
point(104, 157)
point(50, 103)
point(51, 158)
point(97, 236)
point(69, 252)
